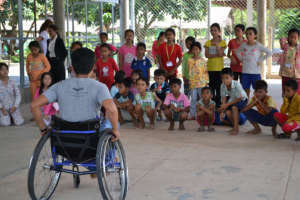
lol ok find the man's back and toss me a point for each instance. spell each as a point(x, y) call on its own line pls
point(79, 99)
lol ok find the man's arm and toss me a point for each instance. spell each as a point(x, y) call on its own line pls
point(112, 114)
point(36, 111)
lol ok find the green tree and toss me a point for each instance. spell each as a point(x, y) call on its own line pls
point(285, 20)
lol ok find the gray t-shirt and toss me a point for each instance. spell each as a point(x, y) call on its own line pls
point(79, 99)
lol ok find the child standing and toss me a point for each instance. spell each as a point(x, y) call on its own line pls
point(135, 75)
point(127, 53)
point(103, 39)
point(155, 47)
point(119, 76)
point(233, 45)
point(52, 108)
point(198, 76)
point(214, 51)
point(169, 52)
point(10, 99)
point(266, 108)
point(289, 116)
point(160, 87)
point(124, 101)
point(290, 59)
point(250, 54)
point(234, 99)
point(36, 65)
point(145, 103)
point(106, 66)
point(185, 72)
point(176, 105)
point(141, 62)
point(206, 110)
point(74, 46)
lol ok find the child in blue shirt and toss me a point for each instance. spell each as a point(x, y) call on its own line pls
point(141, 62)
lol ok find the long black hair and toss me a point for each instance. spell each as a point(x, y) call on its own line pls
point(45, 25)
point(42, 83)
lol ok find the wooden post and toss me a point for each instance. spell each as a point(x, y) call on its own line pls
point(261, 21)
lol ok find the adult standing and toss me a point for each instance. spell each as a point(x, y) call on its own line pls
point(56, 54)
point(43, 35)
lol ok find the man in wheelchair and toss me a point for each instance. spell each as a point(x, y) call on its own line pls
point(79, 98)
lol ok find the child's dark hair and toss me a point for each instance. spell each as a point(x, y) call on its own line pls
point(76, 43)
point(128, 31)
point(143, 79)
point(171, 30)
point(160, 35)
point(175, 81)
point(190, 39)
point(126, 82)
point(291, 84)
point(252, 29)
point(34, 44)
point(206, 88)
point(261, 84)
point(119, 76)
point(240, 26)
point(3, 64)
point(217, 25)
point(160, 72)
point(103, 34)
point(196, 44)
point(83, 60)
point(141, 45)
point(42, 83)
point(293, 30)
point(227, 71)
point(137, 71)
point(105, 45)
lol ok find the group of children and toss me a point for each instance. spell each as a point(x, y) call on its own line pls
point(212, 94)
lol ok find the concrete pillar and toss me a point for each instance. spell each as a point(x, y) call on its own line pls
point(124, 17)
point(270, 37)
point(262, 24)
point(208, 19)
point(249, 13)
point(59, 16)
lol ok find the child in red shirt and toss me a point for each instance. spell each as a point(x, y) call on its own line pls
point(103, 39)
point(106, 66)
point(168, 53)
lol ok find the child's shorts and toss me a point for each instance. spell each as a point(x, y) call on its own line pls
point(265, 120)
point(286, 126)
point(176, 116)
point(240, 105)
point(218, 121)
point(249, 79)
point(206, 119)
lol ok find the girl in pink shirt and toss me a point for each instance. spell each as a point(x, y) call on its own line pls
point(52, 108)
point(127, 53)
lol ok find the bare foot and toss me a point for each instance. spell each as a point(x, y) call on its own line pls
point(274, 132)
point(135, 123)
point(201, 129)
point(171, 127)
point(151, 126)
point(211, 129)
point(254, 131)
point(234, 132)
point(142, 125)
point(181, 127)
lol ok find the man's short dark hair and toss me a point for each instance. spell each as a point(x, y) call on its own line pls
point(261, 84)
point(227, 70)
point(105, 45)
point(196, 44)
point(291, 84)
point(141, 45)
point(176, 81)
point(144, 80)
point(160, 72)
point(83, 60)
point(119, 76)
point(241, 26)
point(126, 82)
point(206, 88)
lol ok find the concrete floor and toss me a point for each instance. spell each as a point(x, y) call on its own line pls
point(175, 165)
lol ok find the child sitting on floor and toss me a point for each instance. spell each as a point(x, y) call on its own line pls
point(206, 110)
point(145, 103)
point(289, 116)
point(237, 99)
point(176, 105)
point(119, 76)
point(160, 87)
point(266, 108)
point(124, 101)
point(135, 75)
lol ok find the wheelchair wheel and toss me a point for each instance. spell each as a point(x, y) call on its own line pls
point(42, 179)
point(111, 168)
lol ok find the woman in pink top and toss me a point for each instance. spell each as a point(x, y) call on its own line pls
point(52, 108)
point(127, 53)
point(156, 44)
point(234, 44)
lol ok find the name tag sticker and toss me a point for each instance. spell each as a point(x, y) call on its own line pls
point(288, 65)
point(169, 64)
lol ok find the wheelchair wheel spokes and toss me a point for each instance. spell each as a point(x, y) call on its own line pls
point(113, 174)
point(42, 178)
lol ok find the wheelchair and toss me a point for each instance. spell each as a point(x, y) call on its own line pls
point(78, 149)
